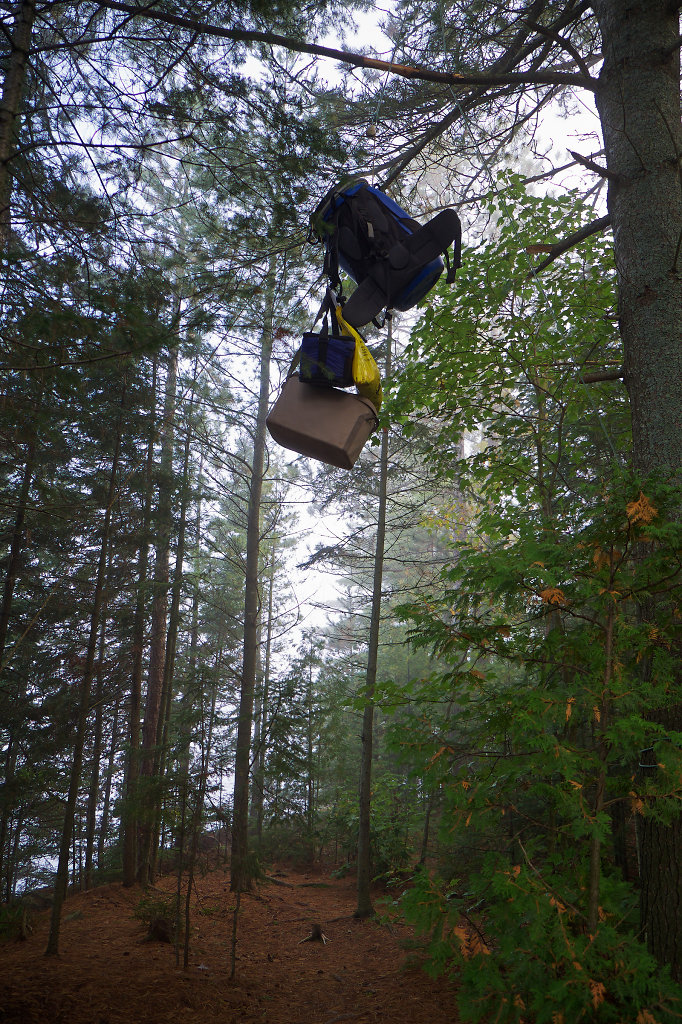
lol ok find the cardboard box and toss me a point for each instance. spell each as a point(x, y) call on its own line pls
point(323, 423)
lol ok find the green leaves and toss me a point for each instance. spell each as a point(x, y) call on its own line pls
point(533, 734)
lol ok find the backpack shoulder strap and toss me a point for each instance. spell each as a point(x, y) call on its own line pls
point(434, 238)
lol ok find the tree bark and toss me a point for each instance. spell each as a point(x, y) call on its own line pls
point(263, 725)
point(364, 907)
point(639, 106)
point(149, 795)
point(638, 99)
point(239, 877)
point(61, 881)
point(106, 800)
point(129, 816)
point(16, 546)
point(10, 105)
point(93, 794)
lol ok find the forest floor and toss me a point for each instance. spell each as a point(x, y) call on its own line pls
point(109, 972)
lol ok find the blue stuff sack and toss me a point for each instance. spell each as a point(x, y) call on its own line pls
point(327, 360)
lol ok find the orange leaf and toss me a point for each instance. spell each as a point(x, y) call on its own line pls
point(569, 707)
point(641, 511)
point(598, 991)
point(553, 597)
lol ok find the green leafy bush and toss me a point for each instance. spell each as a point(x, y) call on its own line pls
point(559, 617)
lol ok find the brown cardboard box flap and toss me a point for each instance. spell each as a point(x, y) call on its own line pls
point(321, 422)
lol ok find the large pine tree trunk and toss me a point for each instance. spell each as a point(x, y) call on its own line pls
point(239, 875)
point(638, 100)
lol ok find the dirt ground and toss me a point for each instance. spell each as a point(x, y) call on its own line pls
point(108, 972)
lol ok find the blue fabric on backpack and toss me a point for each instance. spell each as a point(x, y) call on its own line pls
point(393, 259)
point(327, 359)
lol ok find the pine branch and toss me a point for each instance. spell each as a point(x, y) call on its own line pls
point(355, 59)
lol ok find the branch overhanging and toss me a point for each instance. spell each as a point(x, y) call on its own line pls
point(356, 59)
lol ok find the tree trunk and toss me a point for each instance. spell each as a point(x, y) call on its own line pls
point(129, 817)
point(160, 760)
point(261, 739)
point(638, 100)
point(106, 800)
point(149, 795)
point(239, 878)
point(197, 818)
point(16, 545)
point(364, 907)
point(10, 104)
point(93, 794)
point(61, 881)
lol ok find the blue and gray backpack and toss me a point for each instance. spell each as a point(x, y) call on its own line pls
point(393, 260)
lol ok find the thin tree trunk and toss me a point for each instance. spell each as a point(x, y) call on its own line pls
point(239, 878)
point(197, 817)
point(261, 745)
point(129, 819)
point(160, 761)
point(106, 800)
point(185, 718)
point(93, 794)
point(16, 546)
point(310, 766)
point(430, 801)
point(10, 105)
point(149, 795)
point(364, 907)
point(61, 881)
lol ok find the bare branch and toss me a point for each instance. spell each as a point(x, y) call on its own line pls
point(586, 161)
point(593, 378)
point(356, 59)
point(559, 248)
point(566, 44)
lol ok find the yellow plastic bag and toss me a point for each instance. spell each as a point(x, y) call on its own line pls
point(365, 370)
